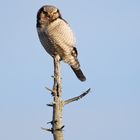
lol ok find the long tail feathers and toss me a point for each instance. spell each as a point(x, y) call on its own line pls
point(79, 74)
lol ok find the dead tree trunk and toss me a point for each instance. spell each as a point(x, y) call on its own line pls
point(58, 104)
point(57, 125)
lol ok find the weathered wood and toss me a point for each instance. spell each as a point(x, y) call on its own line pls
point(77, 97)
point(57, 125)
point(58, 103)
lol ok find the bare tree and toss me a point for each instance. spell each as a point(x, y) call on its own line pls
point(58, 104)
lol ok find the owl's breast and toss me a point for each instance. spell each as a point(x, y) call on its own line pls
point(57, 38)
point(48, 44)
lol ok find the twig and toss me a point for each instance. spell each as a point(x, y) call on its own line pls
point(49, 89)
point(51, 105)
point(76, 98)
point(52, 122)
point(52, 91)
point(60, 129)
point(46, 129)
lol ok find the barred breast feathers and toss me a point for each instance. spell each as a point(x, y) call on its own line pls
point(62, 34)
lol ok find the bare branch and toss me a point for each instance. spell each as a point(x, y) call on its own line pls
point(46, 129)
point(60, 129)
point(52, 91)
point(58, 104)
point(52, 76)
point(52, 122)
point(50, 105)
point(77, 98)
point(49, 89)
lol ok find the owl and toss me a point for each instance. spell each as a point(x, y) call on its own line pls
point(57, 37)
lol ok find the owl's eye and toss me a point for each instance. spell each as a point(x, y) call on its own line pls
point(46, 14)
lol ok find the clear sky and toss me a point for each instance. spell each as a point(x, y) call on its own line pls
point(108, 42)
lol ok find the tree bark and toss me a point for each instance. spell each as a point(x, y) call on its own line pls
point(58, 104)
point(57, 125)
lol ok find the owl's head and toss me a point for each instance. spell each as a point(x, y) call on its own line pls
point(47, 14)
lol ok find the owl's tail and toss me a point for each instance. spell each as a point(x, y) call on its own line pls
point(79, 74)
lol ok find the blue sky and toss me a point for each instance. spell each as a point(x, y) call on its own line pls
point(108, 42)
